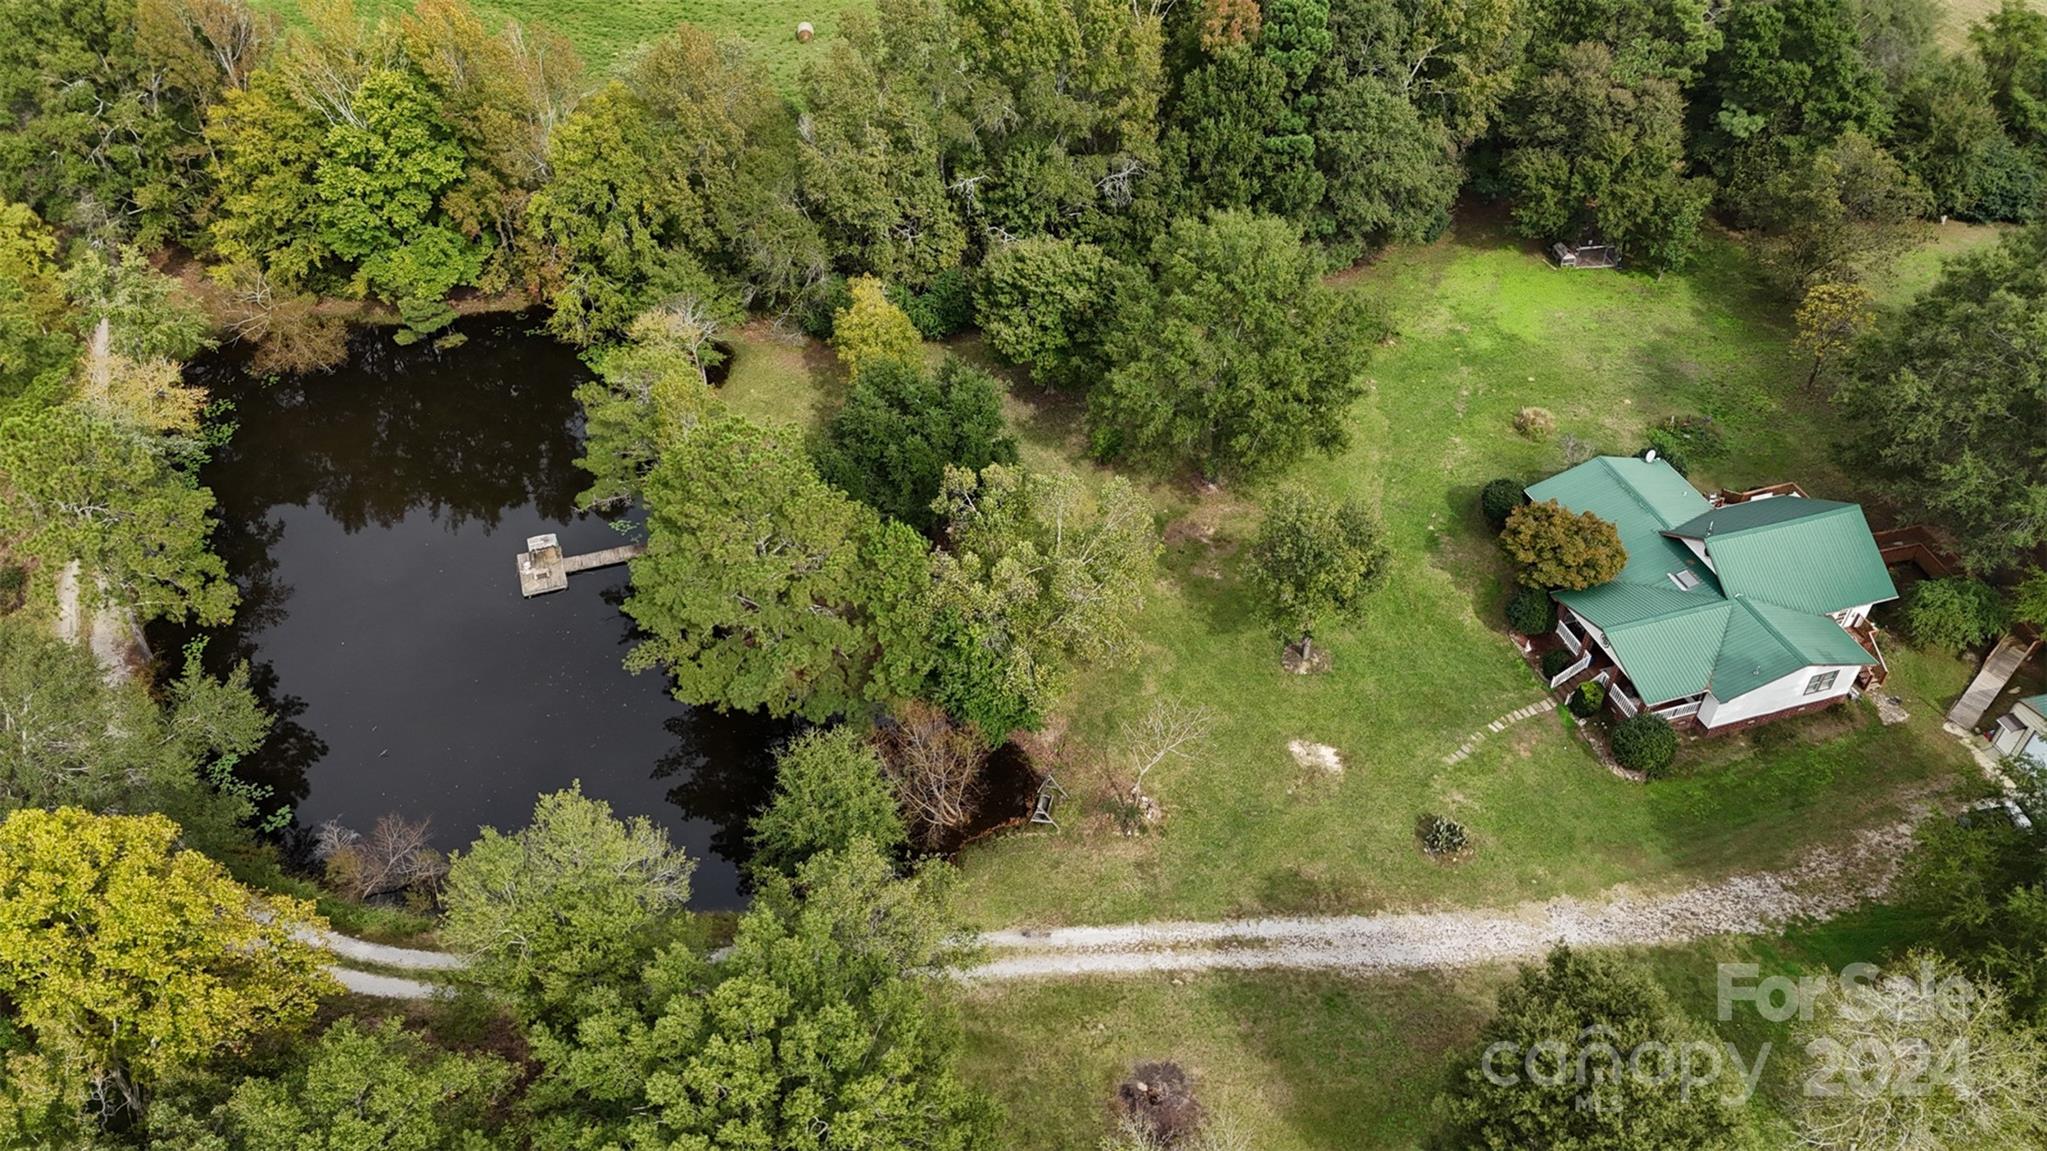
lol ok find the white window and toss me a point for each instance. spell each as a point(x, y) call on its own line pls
point(1685, 579)
point(1824, 681)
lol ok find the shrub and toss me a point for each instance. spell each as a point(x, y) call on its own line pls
point(1530, 611)
point(942, 308)
point(1497, 500)
point(1441, 836)
point(1555, 660)
point(1683, 441)
point(1535, 423)
point(1557, 548)
point(1588, 699)
point(1647, 743)
point(1955, 613)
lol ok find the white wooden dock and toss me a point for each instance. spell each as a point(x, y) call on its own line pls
point(543, 568)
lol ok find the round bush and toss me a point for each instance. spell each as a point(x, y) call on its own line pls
point(1497, 500)
point(1647, 743)
point(1535, 423)
point(1531, 612)
point(1441, 835)
point(1588, 699)
point(1555, 660)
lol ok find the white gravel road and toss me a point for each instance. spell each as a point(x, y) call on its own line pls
point(1823, 884)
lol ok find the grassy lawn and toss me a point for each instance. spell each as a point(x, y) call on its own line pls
point(605, 31)
point(1485, 327)
point(1297, 1062)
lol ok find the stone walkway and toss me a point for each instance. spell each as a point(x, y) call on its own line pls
point(1499, 725)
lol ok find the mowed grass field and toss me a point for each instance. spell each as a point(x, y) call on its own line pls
point(1484, 327)
point(606, 31)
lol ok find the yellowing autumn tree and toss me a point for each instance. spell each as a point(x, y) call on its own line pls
point(871, 329)
point(127, 958)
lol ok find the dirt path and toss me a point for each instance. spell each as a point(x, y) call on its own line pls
point(1824, 884)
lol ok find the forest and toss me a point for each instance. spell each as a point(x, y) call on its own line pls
point(1142, 208)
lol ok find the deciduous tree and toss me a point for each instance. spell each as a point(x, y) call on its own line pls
point(1556, 548)
point(1947, 400)
point(935, 765)
point(1039, 302)
point(902, 426)
point(1595, 147)
point(137, 960)
point(871, 330)
point(1831, 319)
point(82, 488)
point(1922, 1057)
point(1314, 561)
point(758, 587)
point(1232, 356)
point(814, 1021)
point(1552, 1068)
point(830, 792)
point(1036, 575)
point(575, 899)
point(358, 1086)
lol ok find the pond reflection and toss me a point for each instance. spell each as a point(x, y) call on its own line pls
point(371, 516)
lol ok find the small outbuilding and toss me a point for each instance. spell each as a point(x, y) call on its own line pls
point(1587, 255)
point(2022, 732)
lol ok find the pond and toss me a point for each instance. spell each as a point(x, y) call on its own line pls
point(371, 516)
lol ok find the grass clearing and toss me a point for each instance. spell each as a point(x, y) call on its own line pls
point(1484, 327)
point(1298, 1062)
point(606, 31)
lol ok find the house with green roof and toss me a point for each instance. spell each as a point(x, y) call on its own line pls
point(1726, 612)
point(2022, 731)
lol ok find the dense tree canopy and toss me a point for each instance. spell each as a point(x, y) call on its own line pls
point(574, 897)
point(812, 1032)
point(903, 426)
point(1949, 399)
point(135, 960)
point(1231, 356)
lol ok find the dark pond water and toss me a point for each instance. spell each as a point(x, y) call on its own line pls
point(371, 517)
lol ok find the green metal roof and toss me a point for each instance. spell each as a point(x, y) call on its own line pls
point(1757, 614)
point(1812, 555)
point(1640, 499)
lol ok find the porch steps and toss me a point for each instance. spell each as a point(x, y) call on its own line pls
point(1546, 704)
